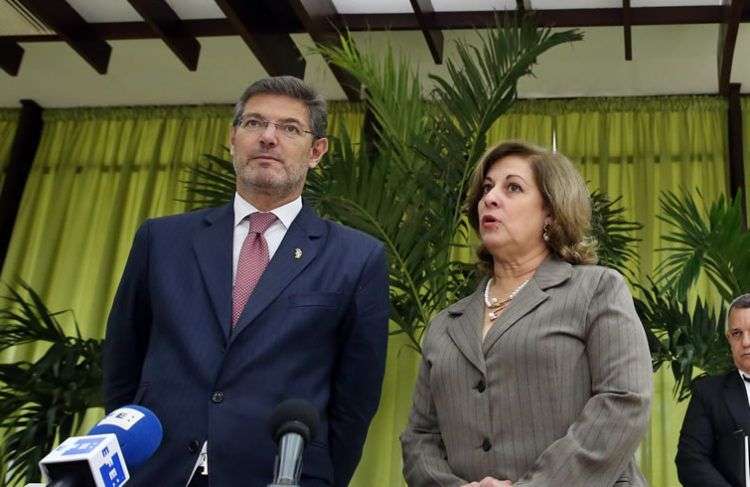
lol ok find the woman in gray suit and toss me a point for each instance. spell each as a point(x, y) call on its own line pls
point(542, 376)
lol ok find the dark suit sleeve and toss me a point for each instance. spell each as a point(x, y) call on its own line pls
point(128, 328)
point(360, 367)
point(697, 445)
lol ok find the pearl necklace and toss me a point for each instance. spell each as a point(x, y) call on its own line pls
point(493, 305)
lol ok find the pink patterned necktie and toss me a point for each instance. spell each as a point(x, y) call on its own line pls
point(252, 262)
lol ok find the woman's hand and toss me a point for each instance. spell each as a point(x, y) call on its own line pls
point(493, 482)
point(489, 482)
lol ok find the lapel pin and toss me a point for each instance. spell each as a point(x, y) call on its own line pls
point(298, 253)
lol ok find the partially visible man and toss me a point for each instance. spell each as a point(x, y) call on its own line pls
point(711, 447)
point(223, 313)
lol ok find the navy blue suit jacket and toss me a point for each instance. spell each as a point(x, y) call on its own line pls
point(314, 328)
point(711, 447)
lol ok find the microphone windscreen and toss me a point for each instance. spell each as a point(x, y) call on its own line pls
point(294, 416)
point(138, 431)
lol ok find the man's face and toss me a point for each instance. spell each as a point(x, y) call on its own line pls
point(739, 338)
point(268, 161)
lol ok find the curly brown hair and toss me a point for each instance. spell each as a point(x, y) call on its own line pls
point(565, 197)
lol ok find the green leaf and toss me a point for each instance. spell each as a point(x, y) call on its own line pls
point(47, 399)
point(683, 338)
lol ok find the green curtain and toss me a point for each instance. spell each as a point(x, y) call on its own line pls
point(345, 115)
point(98, 173)
point(635, 148)
point(8, 125)
point(525, 122)
point(745, 105)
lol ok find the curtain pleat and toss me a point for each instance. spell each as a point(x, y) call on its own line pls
point(8, 126)
point(745, 106)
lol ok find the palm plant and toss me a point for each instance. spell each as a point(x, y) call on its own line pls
point(683, 336)
point(710, 240)
point(614, 234)
point(703, 240)
point(46, 399)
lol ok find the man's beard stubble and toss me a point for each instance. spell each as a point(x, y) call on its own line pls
point(267, 184)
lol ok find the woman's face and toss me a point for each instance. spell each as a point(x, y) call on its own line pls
point(512, 213)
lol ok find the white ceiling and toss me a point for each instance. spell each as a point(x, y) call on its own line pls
point(666, 60)
point(122, 11)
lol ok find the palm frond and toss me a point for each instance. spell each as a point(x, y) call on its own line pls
point(481, 86)
point(685, 339)
point(393, 96)
point(211, 183)
point(27, 320)
point(705, 239)
point(46, 399)
point(615, 236)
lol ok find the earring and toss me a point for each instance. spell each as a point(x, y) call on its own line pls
point(545, 232)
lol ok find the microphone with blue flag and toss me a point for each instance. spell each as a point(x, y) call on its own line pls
point(126, 438)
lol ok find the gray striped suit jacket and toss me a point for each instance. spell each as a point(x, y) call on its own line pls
point(558, 392)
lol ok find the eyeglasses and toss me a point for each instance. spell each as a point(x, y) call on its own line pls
point(258, 125)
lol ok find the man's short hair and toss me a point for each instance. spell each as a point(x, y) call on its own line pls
point(740, 302)
point(293, 88)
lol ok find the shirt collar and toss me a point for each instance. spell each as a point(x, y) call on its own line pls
point(286, 213)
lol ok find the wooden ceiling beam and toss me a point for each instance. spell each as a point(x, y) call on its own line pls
point(735, 159)
point(424, 12)
point(59, 16)
point(10, 56)
point(576, 17)
point(276, 51)
point(321, 20)
point(171, 29)
point(626, 29)
point(603, 17)
point(732, 11)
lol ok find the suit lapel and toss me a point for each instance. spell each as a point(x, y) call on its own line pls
point(213, 249)
point(735, 396)
point(551, 273)
point(299, 247)
point(467, 317)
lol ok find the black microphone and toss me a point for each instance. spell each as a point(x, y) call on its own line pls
point(292, 424)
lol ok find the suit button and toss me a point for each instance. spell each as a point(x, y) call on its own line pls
point(217, 397)
point(193, 446)
point(481, 386)
point(486, 445)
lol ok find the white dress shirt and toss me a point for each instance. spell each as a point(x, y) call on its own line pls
point(747, 385)
point(274, 235)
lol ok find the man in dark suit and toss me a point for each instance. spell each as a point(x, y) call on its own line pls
point(223, 313)
point(711, 447)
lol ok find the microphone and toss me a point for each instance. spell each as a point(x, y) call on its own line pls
point(292, 424)
point(127, 436)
